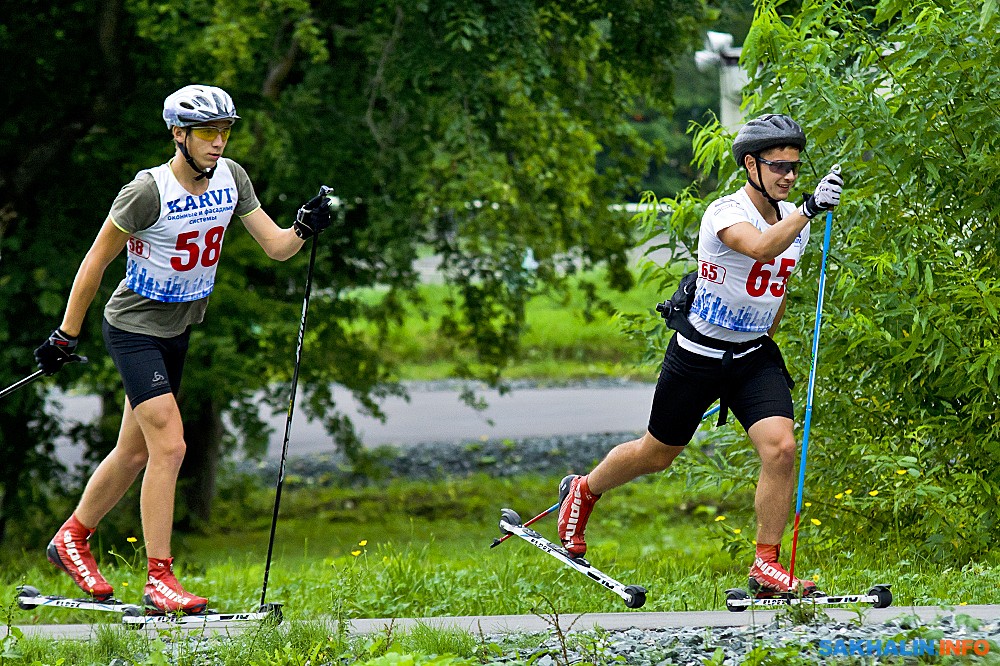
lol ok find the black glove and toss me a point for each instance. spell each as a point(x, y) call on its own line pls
point(314, 216)
point(826, 196)
point(56, 352)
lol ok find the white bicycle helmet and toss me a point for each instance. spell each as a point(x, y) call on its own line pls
point(193, 105)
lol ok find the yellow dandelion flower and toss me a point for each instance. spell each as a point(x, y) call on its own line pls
point(718, 518)
point(900, 471)
point(355, 553)
point(839, 496)
point(125, 583)
point(363, 542)
point(873, 493)
point(848, 491)
point(809, 504)
point(815, 522)
point(964, 603)
point(131, 539)
point(737, 531)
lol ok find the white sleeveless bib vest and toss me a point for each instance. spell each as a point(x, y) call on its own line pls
point(174, 260)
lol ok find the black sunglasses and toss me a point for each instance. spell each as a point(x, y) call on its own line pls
point(782, 167)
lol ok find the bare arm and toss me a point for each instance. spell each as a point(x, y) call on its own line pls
point(278, 243)
point(747, 239)
point(109, 243)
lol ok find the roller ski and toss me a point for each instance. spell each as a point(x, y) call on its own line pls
point(510, 524)
point(738, 599)
point(29, 598)
point(135, 616)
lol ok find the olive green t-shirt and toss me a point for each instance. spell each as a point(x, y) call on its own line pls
point(137, 207)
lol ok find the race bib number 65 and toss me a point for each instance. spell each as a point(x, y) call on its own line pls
point(759, 279)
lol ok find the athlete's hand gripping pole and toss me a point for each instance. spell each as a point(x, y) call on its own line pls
point(21, 383)
point(812, 380)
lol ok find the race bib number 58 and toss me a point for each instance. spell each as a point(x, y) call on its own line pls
point(196, 250)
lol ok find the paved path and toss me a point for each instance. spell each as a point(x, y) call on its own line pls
point(533, 624)
point(439, 415)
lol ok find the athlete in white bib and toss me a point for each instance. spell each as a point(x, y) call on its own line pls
point(171, 219)
point(749, 245)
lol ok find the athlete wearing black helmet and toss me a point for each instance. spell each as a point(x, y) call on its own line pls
point(749, 244)
point(171, 221)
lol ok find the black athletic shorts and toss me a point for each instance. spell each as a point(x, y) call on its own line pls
point(754, 386)
point(149, 366)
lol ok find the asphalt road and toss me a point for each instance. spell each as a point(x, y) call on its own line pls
point(532, 623)
point(439, 415)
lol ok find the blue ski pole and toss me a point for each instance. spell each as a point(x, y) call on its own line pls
point(809, 392)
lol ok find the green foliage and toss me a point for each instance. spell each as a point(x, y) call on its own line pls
point(902, 95)
point(479, 128)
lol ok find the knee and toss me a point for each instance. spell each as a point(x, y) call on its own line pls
point(658, 455)
point(779, 454)
point(170, 452)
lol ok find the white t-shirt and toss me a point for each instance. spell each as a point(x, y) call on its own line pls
point(737, 297)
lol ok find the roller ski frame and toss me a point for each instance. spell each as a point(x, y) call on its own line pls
point(136, 616)
point(738, 599)
point(510, 523)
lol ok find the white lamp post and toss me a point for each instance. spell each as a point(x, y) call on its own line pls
point(720, 52)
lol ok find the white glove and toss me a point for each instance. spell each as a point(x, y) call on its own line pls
point(826, 196)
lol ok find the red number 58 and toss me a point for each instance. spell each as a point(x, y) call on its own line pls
point(759, 279)
point(187, 242)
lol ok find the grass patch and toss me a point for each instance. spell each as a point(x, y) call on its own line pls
point(558, 341)
point(407, 549)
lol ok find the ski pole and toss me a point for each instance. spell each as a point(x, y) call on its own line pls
point(35, 375)
point(24, 382)
point(809, 392)
point(291, 407)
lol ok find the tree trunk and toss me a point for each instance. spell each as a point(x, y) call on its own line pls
point(203, 432)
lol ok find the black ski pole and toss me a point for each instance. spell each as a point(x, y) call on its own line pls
point(291, 407)
point(21, 383)
point(18, 384)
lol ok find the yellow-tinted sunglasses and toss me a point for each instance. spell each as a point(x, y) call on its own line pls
point(209, 132)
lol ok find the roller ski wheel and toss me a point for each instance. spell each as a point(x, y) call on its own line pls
point(637, 596)
point(273, 611)
point(883, 594)
point(510, 517)
point(736, 594)
point(25, 591)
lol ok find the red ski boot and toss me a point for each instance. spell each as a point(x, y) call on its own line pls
point(70, 551)
point(770, 578)
point(164, 594)
point(574, 513)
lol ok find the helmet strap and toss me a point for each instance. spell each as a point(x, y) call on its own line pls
point(760, 187)
point(202, 173)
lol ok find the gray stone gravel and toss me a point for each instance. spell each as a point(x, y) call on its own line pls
point(436, 460)
point(899, 641)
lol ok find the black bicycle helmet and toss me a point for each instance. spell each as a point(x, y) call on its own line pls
point(767, 131)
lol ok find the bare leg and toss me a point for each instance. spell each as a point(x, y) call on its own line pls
point(631, 460)
point(775, 442)
point(115, 474)
point(160, 421)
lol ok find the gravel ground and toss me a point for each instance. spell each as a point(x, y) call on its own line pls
point(904, 640)
point(435, 460)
